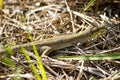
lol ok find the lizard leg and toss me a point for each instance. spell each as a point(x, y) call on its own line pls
point(46, 50)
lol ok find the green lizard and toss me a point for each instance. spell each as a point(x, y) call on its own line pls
point(56, 43)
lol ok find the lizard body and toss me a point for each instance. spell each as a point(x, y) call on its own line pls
point(55, 43)
point(58, 42)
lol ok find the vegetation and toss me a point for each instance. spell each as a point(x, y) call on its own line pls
point(30, 21)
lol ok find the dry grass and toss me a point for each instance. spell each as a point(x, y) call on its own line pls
point(49, 19)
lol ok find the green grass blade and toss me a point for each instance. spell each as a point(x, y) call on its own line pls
point(8, 48)
point(97, 33)
point(8, 61)
point(16, 77)
point(88, 5)
point(40, 65)
point(93, 57)
point(31, 64)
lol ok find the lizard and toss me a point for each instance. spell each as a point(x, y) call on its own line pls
point(59, 42)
